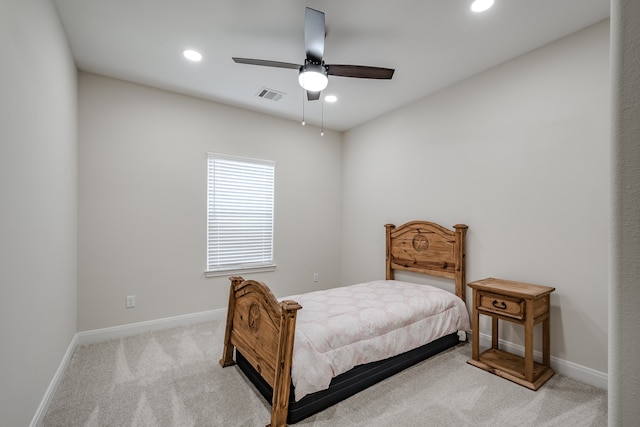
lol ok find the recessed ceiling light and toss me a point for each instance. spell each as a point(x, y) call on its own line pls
point(192, 55)
point(331, 98)
point(481, 5)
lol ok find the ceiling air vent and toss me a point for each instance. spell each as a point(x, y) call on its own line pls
point(271, 94)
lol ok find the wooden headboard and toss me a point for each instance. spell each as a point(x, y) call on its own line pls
point(428, 248)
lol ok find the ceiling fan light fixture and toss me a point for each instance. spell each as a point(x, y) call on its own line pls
point(313, 77)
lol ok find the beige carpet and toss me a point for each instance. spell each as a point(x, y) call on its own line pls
point(172, 378)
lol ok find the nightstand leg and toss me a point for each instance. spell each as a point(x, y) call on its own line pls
point(494, 332)
point(546, 342)
point(475, 347)
point(528, 342)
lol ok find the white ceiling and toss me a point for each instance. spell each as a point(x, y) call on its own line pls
point(430, 43)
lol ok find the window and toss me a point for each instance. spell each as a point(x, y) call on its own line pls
point(240, 195)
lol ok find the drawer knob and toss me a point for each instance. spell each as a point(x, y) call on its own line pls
point(502, 305)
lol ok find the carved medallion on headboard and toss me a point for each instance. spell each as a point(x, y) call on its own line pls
point(420, 242)
point(253, 319)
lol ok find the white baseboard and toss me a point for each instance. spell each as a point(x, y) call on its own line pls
point(561, 366)
point(122, 331)
point(53, 386)
point(105, 334)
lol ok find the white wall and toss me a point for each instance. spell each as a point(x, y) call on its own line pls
point(38, 201)
point(520, 153)
point(142, 201)
point(624, 364)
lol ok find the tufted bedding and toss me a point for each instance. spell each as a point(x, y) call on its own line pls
point(341, 328)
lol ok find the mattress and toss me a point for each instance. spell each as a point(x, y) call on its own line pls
point(341, 328)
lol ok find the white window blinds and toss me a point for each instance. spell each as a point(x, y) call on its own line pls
point(240, 196)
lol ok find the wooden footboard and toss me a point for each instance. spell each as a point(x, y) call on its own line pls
point(262, 329)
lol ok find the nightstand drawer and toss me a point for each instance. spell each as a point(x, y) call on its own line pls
point(500, 304)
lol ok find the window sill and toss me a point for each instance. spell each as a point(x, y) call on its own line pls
point(240, 270)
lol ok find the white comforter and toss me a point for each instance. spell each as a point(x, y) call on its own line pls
point(340, 328)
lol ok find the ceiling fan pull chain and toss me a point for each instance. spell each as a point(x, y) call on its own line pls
point(303, 122)
point(322, 119)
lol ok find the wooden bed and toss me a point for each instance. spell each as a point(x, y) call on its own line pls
point(261, 328)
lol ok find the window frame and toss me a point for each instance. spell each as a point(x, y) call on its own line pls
point(220, 171)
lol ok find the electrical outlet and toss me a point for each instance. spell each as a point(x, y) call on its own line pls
point(131, 301)
point(316, 277)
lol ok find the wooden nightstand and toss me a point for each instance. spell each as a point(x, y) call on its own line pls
point(520, 303)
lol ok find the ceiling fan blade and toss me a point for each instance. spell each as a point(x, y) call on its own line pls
point(314, 33)
point(266, 63)
point(313, 96)
point(360, 71)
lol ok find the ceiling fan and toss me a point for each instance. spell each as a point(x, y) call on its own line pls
point(313, 75)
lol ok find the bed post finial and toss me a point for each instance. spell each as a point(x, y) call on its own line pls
point(389, 274)
point(460, 257)
point(236, 280)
